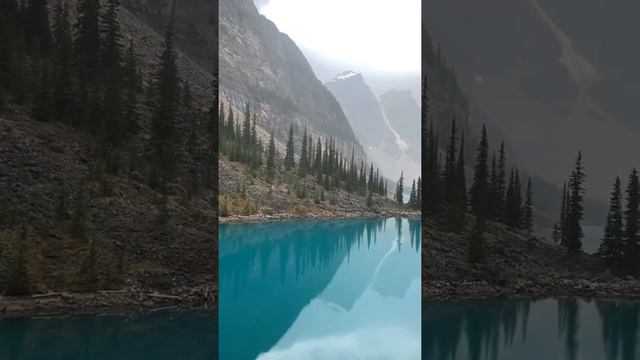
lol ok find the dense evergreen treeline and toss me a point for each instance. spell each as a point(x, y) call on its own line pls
point(490, 197)
point(321, 159)
point(620, 246)
point(80, 72)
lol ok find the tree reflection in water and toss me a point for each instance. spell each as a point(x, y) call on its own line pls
point(488, 329)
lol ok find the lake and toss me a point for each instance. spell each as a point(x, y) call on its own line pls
point(153, 336)
point(550, 329)
point(330, 289)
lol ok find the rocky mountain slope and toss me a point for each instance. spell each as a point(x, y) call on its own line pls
point(403, 112)
point(363, 111)
point(70, 215)
point(264, 67)
point(378, 128)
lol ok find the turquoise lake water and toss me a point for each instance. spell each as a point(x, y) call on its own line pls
point(550, 329)
point(151, 336)
point(307, 290)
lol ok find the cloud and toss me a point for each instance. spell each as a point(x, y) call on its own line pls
point(381, 35)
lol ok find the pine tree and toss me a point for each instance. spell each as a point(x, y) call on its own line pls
point(246, 127)
point(562, 225)
point(527, 213)
point(271, 159)
point(304, 157)
point(318, 158)
point(419, 193)
point(165, 109)
point(400, 189)
point(63, 93)
point(412, 196)
point(131, 92)
point(575, 208)
point(111, 52)
point(480, 189)
point(457, 212)
point(289, 161)
point(631, 237)
point(88, 41)
point(37, 30)
point(450, 166)
point(500, 186)
point(88, 48)
point(611, 246)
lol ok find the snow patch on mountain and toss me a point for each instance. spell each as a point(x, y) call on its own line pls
point(401, 143)
point(345, 75)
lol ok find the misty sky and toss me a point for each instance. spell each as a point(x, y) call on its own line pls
point(379, 38)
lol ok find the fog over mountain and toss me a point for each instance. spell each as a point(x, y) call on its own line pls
point(383, 66)
point(551, 78)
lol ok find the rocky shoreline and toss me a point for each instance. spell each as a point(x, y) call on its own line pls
point(515, 267)
point(467, 290)
point(320, 215)
point(107, 302)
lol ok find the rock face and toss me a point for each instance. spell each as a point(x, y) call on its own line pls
point(362, 109)
point(262, 66)
point(195, 27)
point(402, 111)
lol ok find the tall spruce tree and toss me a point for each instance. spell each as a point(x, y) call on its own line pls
point(289, 161)
point(611, 247)
point(400, 189)
point(63, 97)
point(165, 109)
point(500, 186)
point(632, 225)
point(450, 166)
point(37, 28)
point(271, 159)
point(575, 208)
point(304, 155)
point(457, 212)
point(527, 212)
point(88, 48)
point(413, 203)
point(480, 189)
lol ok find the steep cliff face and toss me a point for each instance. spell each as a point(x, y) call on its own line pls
point(195, 27)
point(403, 112)
point(262, 66)
point(363, 111)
